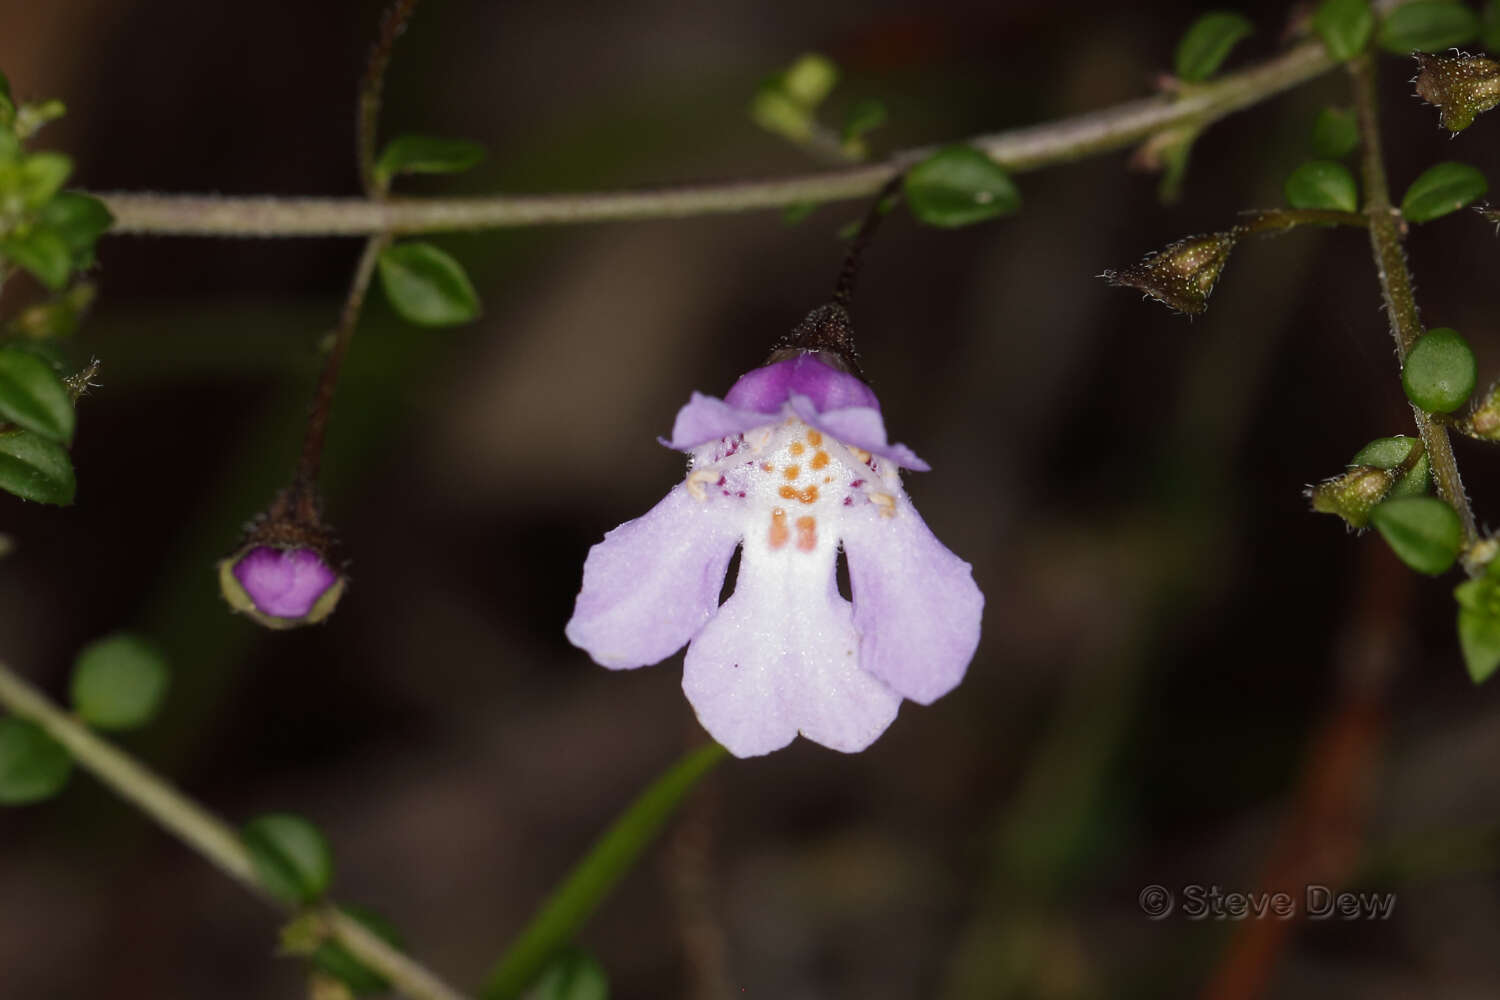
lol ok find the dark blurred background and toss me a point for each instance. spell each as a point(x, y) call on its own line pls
point(1185, 676)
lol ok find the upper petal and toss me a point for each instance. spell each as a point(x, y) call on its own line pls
point(829, 388)
point(916, 605)
point(781, 657)
point(653, 582)
point(860, 426)
point(708, 418)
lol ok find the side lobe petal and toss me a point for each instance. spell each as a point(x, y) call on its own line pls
point(916, 605)
point(653, 582)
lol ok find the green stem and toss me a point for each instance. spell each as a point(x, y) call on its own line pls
point(1268, 222)
point(1386, 227)
point(204, 832)
point(1017, 149)
point(611, 856)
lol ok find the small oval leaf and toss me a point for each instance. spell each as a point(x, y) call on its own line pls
point(33, 397)
point(1479, 638)
point(42, 252)
point(34, 468)
point(1442, 189)
point(119, 682)
point(426, 154)
point(1424, 532)
point(1335, 134)
point(959, 186)
point(1322, 184)
point(1389, 453)
point(427, 286)
point(291, 856)
point(1440, 371)
point(1427, 26)
point(33, 766)
point(1208, 42)
point(79, 220)
point(1345, 26)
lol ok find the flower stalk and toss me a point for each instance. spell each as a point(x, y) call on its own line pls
point(1386, 243)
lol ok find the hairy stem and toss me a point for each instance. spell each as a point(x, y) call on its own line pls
point(317, 421)
point(1016, 149)
point(1386, 229)
point(204, 832)
point(370, 88)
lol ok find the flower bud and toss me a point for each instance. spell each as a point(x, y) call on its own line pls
point(284, 573)
point(1183, 274)
point(1459, 86)
point(1484, 420)
point(1354, 494)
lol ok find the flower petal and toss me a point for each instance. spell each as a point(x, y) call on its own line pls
point(860, 426)
point(769, 386)
point(708, 418)
point(773, 663)
point(652, 583)
point(916, 605)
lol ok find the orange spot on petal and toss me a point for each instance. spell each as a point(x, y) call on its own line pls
point(809, 495)
point(779, 533)
point(814, 438)
point(792, 471)
point(796, 448)
point(820, 460)
point(807, 533)
point(765, 467)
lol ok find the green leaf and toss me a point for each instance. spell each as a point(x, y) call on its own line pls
point(337, 961)
point(1479, 638)
point(1207, 43)
point(291, 856)
point(33, 397)
point(1389, 453)
point(1442, 189)
point(864, 117)
point(584, 888)
point(79, 220)
point(41, 176)
point(33, 766)
point(1440, 371)
point(1344, 26)
point(573, 975)
point(119, 682)
point(425, 154)
point(810, 79)
point(34, 468)
point(959, 186)
point(1322, 184)
point(427, 286)
point(1427, 26)
point(797, 211)
point(1424, 532)
point(43, 253)
point(1335, 133)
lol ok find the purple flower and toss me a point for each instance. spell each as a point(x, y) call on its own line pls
point(789, 466)
point(280, 587)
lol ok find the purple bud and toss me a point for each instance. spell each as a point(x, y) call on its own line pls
point(283, 575)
